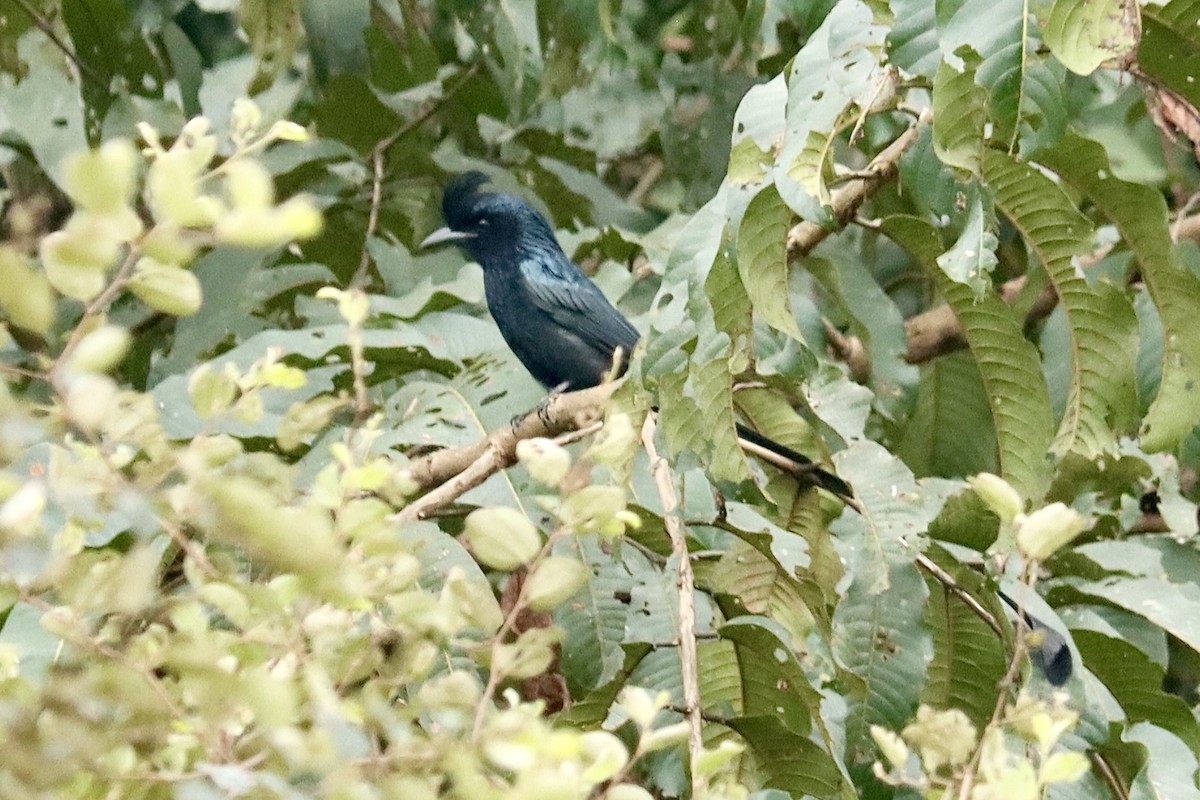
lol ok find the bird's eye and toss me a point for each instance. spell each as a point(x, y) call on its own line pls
point(483, 223)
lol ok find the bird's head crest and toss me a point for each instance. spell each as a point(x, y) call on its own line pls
point(460, 197)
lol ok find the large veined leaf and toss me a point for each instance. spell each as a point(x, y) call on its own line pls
point(702, 420)
point(1169, 764)
point(592, 708)
point(731, 304)
point(1102, 324)
point(757, 126)
point(837, 68)
point(875, 320)
point(1171, 606)
point(1083, 35)
point(790, 761)
point(767, 660)
point(913, 41)
point(1140, 214)
point(1008, 365)
point(1026, 101)
point(880, 638)
point(1136, 682)
point(950, 431)
point(895, 515)
point(959, 114)
point(691, 360)
point(971, 258)
point(762, 259)
point(969, 659)
point(1169, 50)
point(594, 621)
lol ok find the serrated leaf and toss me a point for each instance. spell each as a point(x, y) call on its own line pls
point(1101, 322)
point(1140, 214)
point(762, 260)
point(1083, 35)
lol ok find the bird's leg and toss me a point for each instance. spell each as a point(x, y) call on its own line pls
point(543, 408)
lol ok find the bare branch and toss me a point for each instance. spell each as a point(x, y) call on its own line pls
point(460, 469)
point(688, 658)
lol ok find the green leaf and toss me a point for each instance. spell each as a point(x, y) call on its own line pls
point(1169, 765)
point(334, 32)
point(875, 320)
point(767, 661)
point(968, 657)
point(895, 514)
point(882, 640)
point(1083, 35)
point(1136, 682)
point(950, 431)
point(762, 260)
point(836, 70)
point(790, 761)
point(1008, 364)
point(1169, 51)
point(959, 113)
point(594, 622)
point(973, 257)
point(1102, 324)
point(1140, 214)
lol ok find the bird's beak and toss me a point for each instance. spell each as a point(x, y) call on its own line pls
point(444, 236)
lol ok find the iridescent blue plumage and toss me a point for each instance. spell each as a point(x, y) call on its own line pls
point(557, 322)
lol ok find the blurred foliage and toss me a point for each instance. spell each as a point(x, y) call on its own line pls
point(222, 351)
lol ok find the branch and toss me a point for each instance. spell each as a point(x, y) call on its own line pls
point(846, 201)
point(688, 658)
point(460, 469)
point(364, 261)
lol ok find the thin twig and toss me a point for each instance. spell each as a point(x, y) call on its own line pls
point(364, 261)
point(494, 674)
point(1005, 686)
point(45, 26)
point(686, 582)
point(97, 306)
point(947, 580)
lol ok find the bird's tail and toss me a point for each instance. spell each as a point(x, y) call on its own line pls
point(798, 464)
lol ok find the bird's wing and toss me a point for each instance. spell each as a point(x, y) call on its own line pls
point(574, 302)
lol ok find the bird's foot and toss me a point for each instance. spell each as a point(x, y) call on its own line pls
point(543, 408)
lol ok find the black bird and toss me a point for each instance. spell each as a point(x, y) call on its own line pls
point(556, 320)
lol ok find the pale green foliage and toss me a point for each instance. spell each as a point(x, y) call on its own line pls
point(227, 367)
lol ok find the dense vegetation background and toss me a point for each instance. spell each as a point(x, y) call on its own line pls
point(263, 529)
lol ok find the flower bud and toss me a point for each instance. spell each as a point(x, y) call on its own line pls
point(1044, 531)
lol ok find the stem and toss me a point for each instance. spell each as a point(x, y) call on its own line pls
point(688, 659)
